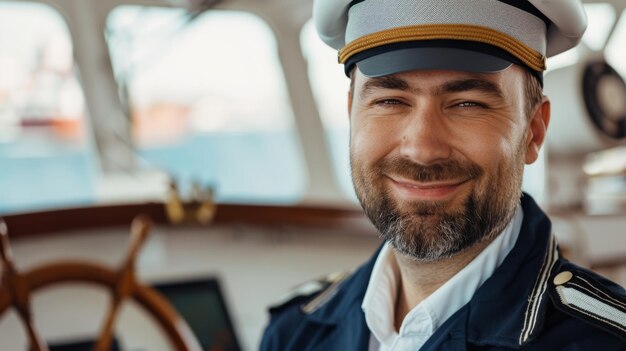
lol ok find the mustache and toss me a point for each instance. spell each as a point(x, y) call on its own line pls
point(446, 170)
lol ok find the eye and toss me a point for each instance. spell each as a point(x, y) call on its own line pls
point(388, 102)
point(466, 104)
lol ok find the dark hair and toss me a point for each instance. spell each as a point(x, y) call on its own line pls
point(533, 92)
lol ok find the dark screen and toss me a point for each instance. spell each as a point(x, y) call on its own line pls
point(80, 345)
point(202, 305)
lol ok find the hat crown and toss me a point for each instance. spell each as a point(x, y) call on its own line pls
point(383, 37)
point(371, 16)
point(568, 21)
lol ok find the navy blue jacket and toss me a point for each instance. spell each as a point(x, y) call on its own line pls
point(520, 307)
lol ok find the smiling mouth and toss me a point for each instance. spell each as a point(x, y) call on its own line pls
point(426, 191)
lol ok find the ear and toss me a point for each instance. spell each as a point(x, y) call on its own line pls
point(537, 128)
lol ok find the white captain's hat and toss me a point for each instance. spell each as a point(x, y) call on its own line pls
point(383, 37)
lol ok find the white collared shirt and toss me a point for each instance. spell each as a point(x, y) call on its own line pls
point(424, 319)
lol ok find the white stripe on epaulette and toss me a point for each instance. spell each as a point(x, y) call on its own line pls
point(326, 295)
point(536, 297)
point(593, 307)
point(576, 293)
point(605, 296)
point(304, 289)
point(309, 288)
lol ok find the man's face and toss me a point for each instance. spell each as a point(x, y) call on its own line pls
point(437, 156)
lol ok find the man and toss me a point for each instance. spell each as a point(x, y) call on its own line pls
point(445, 110)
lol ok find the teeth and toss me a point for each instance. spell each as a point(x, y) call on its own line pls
point(427, 186)
point(422, 187)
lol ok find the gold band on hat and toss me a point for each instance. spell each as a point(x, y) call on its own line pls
point(466, 32)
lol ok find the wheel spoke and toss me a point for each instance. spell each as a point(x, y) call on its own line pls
point(18, 290)
point(126, 282)
point(104, 341)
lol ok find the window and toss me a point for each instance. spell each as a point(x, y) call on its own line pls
point(45, 154)
point(208, 100)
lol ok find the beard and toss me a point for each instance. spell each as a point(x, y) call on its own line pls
point(433, 230)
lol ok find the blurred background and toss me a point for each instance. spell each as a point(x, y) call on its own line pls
point(113, 108)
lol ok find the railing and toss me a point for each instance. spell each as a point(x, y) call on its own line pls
point(64, 220)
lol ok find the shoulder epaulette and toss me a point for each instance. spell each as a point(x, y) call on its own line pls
point(307, 290)
point(580, 295)
point(334, 281)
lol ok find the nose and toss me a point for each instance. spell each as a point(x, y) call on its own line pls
point(426, 137)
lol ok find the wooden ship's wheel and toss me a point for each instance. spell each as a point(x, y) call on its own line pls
point(16, 288)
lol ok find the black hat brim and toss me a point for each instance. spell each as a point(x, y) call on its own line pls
point(431, 58)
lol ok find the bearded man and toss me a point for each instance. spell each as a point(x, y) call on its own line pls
point(446, 108)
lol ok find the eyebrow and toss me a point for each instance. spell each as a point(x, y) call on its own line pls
point(461, 85)
point(386, 82)
point(455, 86)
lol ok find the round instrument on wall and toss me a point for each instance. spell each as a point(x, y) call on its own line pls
point(588, 108)
point(605, 98)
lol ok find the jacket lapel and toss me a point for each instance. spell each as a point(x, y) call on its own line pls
point(351, 333)
point(507, 309)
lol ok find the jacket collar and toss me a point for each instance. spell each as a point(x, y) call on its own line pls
point(517, 289)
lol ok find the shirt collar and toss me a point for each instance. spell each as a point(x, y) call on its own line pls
point(422, 321)
point(379, 301)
